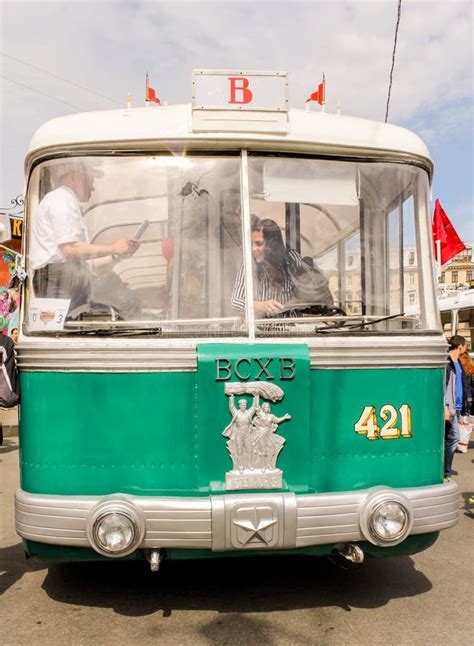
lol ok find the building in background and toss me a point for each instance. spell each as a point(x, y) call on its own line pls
point(458, 273)
point(403, 280)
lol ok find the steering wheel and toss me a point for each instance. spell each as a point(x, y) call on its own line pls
point(336, 311)
point(315, 309)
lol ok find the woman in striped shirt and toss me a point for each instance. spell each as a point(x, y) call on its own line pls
point(275, 270)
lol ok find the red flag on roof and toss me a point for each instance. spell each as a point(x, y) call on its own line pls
point(319, 94)
point(447, 243)
point(150, 94)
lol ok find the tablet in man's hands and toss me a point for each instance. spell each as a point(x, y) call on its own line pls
point(141, 229)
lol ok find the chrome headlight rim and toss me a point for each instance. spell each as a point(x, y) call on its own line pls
point(372, 505)
point(121, 507)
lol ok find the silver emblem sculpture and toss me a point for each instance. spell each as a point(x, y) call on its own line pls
point(253, 444)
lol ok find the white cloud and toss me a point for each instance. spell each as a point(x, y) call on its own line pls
point(454, 120)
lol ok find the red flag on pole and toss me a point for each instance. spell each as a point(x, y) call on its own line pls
point(446, 241)
point(150, 94)
point(319, 94)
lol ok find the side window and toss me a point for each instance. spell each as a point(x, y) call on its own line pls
point(403, 277)
point(352, 276)
point(410, 266)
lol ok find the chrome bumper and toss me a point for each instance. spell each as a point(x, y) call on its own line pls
point(235, 521)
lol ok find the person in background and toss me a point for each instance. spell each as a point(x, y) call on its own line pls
point(14, 319)
point(468, 370)
point(5, 303)
point(454, 399)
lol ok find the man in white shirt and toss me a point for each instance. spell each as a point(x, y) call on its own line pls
point(60, 251)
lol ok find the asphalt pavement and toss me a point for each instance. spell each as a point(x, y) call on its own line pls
point(418, 600)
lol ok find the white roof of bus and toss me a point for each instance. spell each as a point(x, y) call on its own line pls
point(174, 123)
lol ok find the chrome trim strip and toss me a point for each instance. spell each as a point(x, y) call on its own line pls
point(335, 517)
point(206, 523)
point(159, 355)
point(379, 352)
point(105, 355)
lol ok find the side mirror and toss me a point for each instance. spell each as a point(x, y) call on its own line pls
point(5, 227)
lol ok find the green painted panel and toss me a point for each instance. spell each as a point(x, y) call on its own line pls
point(161, 433)
point(219, 364)
point(343, 460)
point(103, 433)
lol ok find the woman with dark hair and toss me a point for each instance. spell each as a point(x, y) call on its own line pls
point(280, 275)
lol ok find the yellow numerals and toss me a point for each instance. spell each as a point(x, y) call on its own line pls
point(394, 426)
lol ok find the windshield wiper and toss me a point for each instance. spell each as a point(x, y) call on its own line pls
point(107, 332)
point(152, 331)
point(356, 326)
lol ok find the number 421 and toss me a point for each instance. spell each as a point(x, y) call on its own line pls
point(367, 424)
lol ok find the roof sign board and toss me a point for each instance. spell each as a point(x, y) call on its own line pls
point(219, 96)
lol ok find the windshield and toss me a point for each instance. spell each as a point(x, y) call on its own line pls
point(157, 245)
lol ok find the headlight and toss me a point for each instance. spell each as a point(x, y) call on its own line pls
point(388, 521)
point(386, 518)
point(115, 527)
point(114, 532)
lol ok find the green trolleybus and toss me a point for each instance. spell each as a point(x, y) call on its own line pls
point(215, 352)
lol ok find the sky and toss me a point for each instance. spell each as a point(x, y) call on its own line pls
point(108, 46)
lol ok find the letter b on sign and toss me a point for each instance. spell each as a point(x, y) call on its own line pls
point(239, 90)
